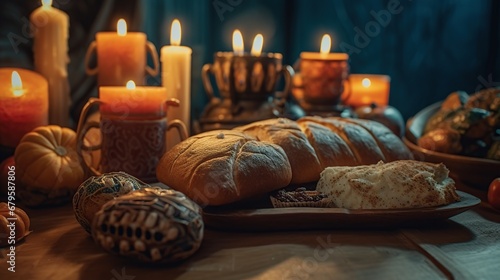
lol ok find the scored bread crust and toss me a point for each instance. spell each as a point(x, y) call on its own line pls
point(360, 141)
point(221, 167)
point(288, 135)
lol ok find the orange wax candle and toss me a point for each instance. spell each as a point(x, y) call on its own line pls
point(366, 89)
point(121, 56)
point(24, 103)
point(324, 53)
point(133, 102)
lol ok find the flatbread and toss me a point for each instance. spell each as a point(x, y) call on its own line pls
point(393, 185)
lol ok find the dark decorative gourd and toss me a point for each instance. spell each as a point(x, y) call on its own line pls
point(97, 190)
point(152, 225)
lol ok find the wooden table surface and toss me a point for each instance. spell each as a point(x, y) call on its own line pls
point(466, 246)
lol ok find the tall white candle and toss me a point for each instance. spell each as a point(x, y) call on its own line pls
point(50, 51)
point(176, 78)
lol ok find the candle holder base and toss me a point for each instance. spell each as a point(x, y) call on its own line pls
point(323, 110)
point(223, 114)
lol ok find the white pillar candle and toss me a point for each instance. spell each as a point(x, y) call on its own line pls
point(176, 78)
point(50, 51)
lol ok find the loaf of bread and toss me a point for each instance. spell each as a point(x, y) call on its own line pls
point(314, 143)
point(220, 167)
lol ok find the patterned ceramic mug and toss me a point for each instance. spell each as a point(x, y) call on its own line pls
point(246, 77)
point(134, 146)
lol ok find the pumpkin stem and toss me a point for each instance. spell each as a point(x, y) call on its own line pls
point(61, 151)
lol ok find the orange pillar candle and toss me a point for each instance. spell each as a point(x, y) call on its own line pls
point(121, 56)
point(176, 78)
point(132, 102)
point(50, 52)
point(366, 89)
point(23, 104)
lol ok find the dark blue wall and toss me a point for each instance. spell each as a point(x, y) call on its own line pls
point(429, 48)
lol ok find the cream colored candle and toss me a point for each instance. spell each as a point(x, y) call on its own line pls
point(50, 51)
point(366, 89)
point(23, 104)
point(176, 78)
point(132, 102)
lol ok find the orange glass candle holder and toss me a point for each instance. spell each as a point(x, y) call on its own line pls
point(365, 89)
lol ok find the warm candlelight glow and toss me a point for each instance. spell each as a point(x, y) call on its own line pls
point(130, 85)
point(175, 33)
point(366, 82)
point(326, 44)
point(238, 47)
point(46, 3)
point(258, 41)
point(121, 27)
point(17, 84)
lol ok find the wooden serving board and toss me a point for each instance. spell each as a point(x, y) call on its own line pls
point(270, 219)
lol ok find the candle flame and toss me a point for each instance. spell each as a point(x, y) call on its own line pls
point(238, 46)
point(175, 33)
point(121, 27)
point(326, 44)
point(258, 41)
point(17, 84)
point(46, 3)
point(130, 85)
point(366, 82)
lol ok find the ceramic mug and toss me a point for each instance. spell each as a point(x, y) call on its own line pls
point(246, 77)
point(117, 70)
point(134, 146)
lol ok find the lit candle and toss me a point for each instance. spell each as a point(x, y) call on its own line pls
point(238, 46)
point(121, 56)
point(132, 102)
point(322, 75)
point(50, 50)
point(325, 54)
point(258, 42)
point(23, 104)
point(176, 78)
point(366, 89)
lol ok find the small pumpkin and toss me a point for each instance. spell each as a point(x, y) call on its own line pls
point(22, 224)
point(48, 165)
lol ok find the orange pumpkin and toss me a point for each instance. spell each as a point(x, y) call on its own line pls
point(22, 222)
point(48, 165)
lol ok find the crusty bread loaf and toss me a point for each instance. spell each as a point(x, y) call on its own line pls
point(221, 167)
point(288, 135)
point(314, 143)
point(261, 156)
point(394, 185)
